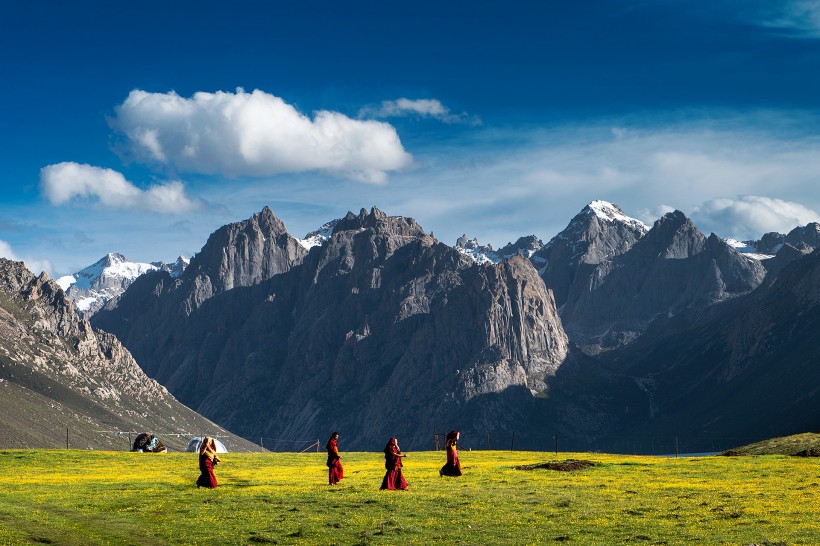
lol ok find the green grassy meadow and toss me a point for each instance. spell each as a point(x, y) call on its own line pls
point(88, 497)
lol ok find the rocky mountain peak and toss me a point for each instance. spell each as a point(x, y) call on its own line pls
point(808, 234)
point(246, 252)
point(379, 221)
point(770, 243)
point(525, 246)
point(674, 236)
point(598, 233)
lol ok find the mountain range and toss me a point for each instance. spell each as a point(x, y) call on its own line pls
point(376, 327)
point(372, 326)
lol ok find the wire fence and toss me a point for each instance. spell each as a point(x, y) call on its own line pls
point(623, 444)
point(668, 445)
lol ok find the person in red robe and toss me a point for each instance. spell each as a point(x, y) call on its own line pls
point(452, 467)
point(334, 460)
point(393, 478)
point(207, 461)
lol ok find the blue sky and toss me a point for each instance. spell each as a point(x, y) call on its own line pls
point(142, 129)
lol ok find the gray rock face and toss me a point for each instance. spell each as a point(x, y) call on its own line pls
point(243, 254)
point(57, 371)
point(672, 268)
point(380, 328)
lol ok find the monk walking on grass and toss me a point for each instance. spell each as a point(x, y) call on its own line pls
point(452, 467)
point(334, 460)
point(207, 461)
point(393, 478)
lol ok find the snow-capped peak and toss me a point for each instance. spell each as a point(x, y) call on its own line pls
point(610, 212)
point(92, 287)
point(316, 238)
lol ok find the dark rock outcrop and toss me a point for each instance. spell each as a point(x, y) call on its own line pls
point(56, 371)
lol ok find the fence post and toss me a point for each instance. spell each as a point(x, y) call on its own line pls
point(262, 442)
point(512, 442)
point(488, 441)
point(677, 447)
point(556, 443)
point(317, 444)
point(66, 437)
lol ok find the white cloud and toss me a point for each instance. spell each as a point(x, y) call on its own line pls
point(255, 134)
point(65, 181)
point(35, 265)
point(753, 214)
point(426, 108)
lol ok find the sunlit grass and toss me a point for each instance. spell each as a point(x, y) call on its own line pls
point(73, 497)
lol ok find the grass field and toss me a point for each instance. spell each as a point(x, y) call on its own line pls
point(81, 497)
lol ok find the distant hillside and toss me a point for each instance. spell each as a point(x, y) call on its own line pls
point(796, 444)
point(59, 377)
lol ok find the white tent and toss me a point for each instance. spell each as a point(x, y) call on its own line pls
point(194, 444)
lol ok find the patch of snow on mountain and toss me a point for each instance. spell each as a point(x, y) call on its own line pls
point(480, 254)
point(84, 304)
point(610, 212)
point(318, 237)
point(748, 249)
point(66, 281)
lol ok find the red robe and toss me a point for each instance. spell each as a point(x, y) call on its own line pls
point(206, 467)
point(452, 467)
point(334, 463)
point(393, 478)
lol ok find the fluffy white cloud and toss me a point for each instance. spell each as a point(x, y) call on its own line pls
point(62, 182)
point(753, 214)
point(35, 265)
point(255, 134)
point(429, 108)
